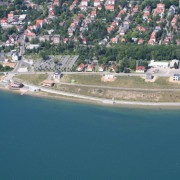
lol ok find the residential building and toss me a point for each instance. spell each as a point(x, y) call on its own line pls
point(81, 67)
point(55, 39)
point(140, 69)
point(176, 77)
point(43, 38)
point(90, 67)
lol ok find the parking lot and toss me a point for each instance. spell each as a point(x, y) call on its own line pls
point(62, 63)
point(163, 71)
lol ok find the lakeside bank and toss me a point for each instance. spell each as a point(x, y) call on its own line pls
point(53, 94)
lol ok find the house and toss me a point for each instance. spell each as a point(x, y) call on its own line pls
point(65, 40)
point(140, 69)
point(57, 75)
point(55, 39)
point(3, 22)
point(146, 16)
point(176, 77)
point(41, 22)
point(83, 8)
point(22, 17)
point(81, 67)
point(90, 67)
point(141, 28)
point(99, 7)
point(158, 64)
point(109, 29)
point(33, 28)
point(172, 10)
point(43, 38)
point(47, 83)
point(140, 41)
point(160, 9)
point(84, 40)
point(173, 22)
point(56, 3)
point(135, 9)
point(84, 3)
point(111, 2)
point(109, 7)
point(123, 40)
point(157, 28)
point(166, 41)
point(120, 14)
point(10, 17)
point(147, 9)
point(152, 39)
point(97, 3)
point(122, 32)
point(15, 57)
point(102, 68)
point(70, 32)
point(113, 68)
point(114, 40)
point(126, 25)
point(93, 14)
point(32, 46)
point(29, 34)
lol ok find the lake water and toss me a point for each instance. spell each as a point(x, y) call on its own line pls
point(43, 139)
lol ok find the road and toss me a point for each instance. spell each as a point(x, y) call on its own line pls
point(18, 65)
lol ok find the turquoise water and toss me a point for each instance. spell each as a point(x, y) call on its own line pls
point(42, 139)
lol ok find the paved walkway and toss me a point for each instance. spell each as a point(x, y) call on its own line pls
point(117, 88)
point(109, 101)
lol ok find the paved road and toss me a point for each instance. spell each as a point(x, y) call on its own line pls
point(99, 73)
point(18, 65)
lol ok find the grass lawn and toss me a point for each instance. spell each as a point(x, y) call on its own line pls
point(35, 79)
point(143, 96)
point(121, 81)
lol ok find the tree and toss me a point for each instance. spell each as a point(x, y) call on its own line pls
point(176, 66)
point(44, 55)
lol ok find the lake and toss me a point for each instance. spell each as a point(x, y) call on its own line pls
point(58, 140)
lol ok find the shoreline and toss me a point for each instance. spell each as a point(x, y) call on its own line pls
point(97, 101)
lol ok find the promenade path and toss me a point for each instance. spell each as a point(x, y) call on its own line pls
point(117, 88)
point(108, 101)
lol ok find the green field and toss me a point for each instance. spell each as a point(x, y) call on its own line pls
point(121, 81)
point(35, 79)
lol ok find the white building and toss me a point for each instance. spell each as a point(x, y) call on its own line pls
point(172, 63)
point(97, 3)
point(176, 77)
point(158, 64)
point(32, 46)
point(15, 57)
point(23, 70)
point(57, 75)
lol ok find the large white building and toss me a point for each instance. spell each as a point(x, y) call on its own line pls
point(158, 64)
